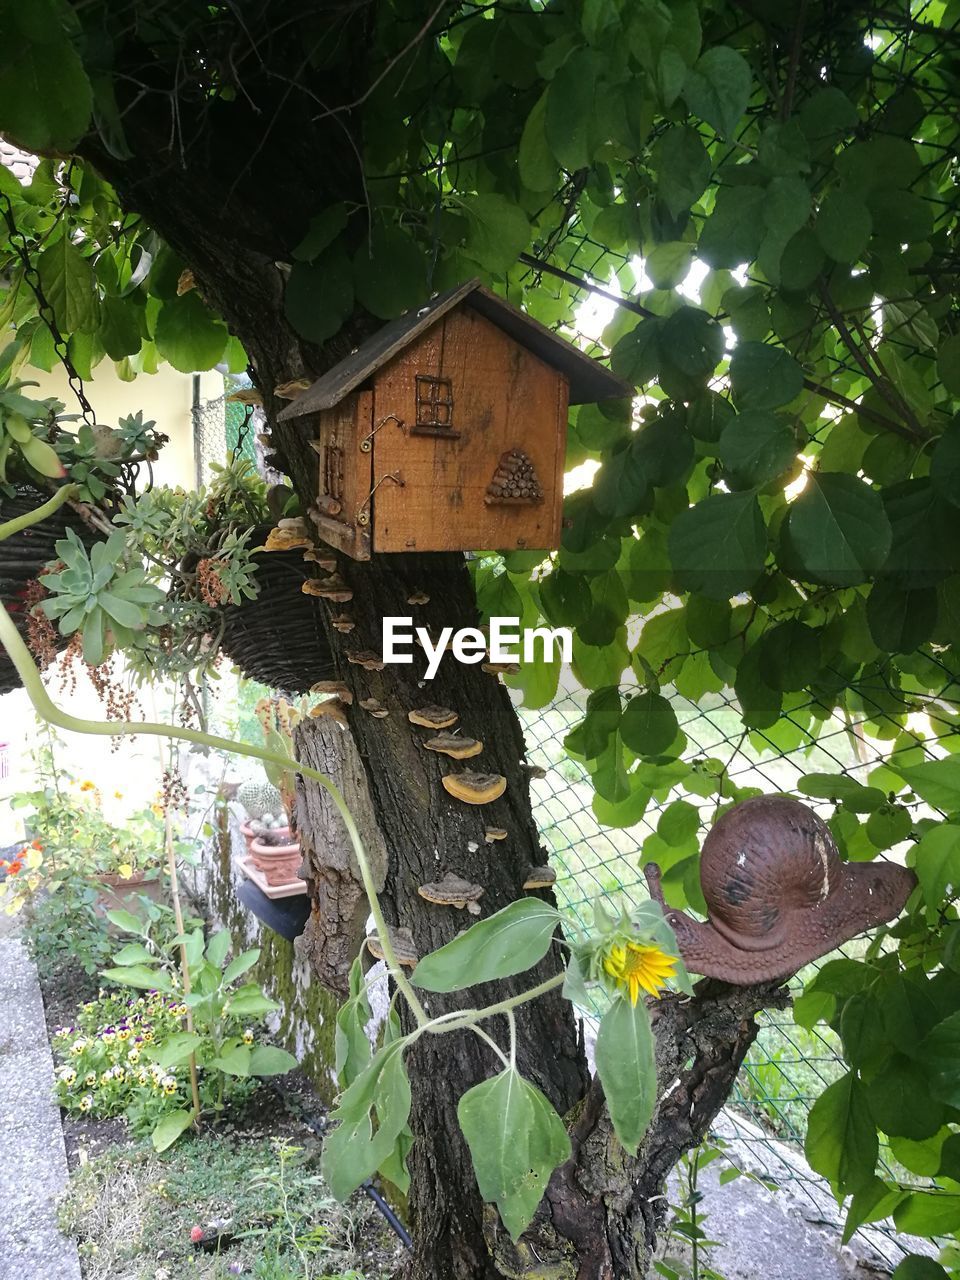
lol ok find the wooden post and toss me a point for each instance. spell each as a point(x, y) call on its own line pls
point(337, 924)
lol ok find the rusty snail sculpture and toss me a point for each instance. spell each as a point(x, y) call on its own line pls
point(778, 894)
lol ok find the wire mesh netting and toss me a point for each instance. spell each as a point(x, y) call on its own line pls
point(789, 1066)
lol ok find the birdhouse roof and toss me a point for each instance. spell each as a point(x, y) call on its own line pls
point(589, 380)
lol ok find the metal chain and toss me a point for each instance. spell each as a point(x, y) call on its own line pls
point(21, 247)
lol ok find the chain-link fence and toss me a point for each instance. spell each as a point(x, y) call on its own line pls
point(789, 1066)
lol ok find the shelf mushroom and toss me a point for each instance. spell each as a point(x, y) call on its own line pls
point(451, 744)
point(475, 788)
point(402, 940)
point(453, 891)
point(540, 878)
point(365, 658)
point(433, 717)
point(374, 707)
point(492, 834)
point(336, 687)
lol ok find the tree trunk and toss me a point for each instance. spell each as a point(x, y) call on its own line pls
point(232, 208)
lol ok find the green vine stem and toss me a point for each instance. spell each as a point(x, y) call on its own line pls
point(48, 710)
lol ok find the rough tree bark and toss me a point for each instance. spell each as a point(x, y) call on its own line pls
point(232, 193)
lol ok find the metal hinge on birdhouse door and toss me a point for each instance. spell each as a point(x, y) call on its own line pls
point(363, 511)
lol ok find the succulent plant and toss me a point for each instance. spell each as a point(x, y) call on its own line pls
point(97, 593)
point(259, 798)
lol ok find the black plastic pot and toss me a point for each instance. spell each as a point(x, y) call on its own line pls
point(286, 916)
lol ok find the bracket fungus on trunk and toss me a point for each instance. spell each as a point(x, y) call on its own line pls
point(475, 788)
point(455, 746)
point(453, 891)
point(540, 878)
point(433, 717)
point(403, 947)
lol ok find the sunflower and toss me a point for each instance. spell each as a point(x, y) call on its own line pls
point(634, 966)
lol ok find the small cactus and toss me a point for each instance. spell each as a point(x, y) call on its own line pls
point(258, 798)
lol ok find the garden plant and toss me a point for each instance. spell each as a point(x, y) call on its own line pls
point(753, 209)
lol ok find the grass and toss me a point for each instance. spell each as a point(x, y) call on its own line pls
point(132, 1211)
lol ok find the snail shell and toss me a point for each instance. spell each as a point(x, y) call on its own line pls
point(778, 894)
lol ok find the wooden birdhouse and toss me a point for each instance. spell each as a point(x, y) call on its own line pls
point(446, 430)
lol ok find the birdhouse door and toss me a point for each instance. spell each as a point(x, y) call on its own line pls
point(342, 510)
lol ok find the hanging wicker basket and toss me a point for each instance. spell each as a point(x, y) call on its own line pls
point(278, 638)
point(23, 558)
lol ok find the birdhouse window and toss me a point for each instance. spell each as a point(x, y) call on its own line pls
point(333, 471)
point(434, 406)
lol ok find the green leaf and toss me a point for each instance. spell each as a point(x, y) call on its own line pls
point(719, 546)
point(937, 862)
point(217, 948)
point(692, 342)
point(516, 1140)
point(732, 234)
point(838, 529)
point(649, 724)
point(42, 457)
point(945, 458)
point(756, 447)
point(843, 226)
point(535, 161)
point(570, 116)
point(119, 330)
point(717, 88)
point(169, 1129)
point(900, 1102)
point(842, 789)
point(590, 737)
point(45, 95)
point(67, 279)
point(135, 975)
point(948, 367)
point(683, 168)
point(499, 231)
point(352, 1152)
point(269, 1060)
point(126, 921)
point(763, 377)
point(251, 1004)
point(176, 1049)
point(841, 1141)
point(936, 781)
point(133, 953)
point(790, 656)
point(901, 621)
point(916, 1267)
point(239, 965)
point(323, 230)
point(235, 1061)
point(188, 334)
point(319, 296)
point(678, 823)
point(627, 1069)
point(928, 1213)
point(667, 264)
point(509, 942)
point(638, 355)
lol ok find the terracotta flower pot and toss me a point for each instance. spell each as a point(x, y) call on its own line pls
point(278, 862)
point(249, 835)
point(123, 893)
